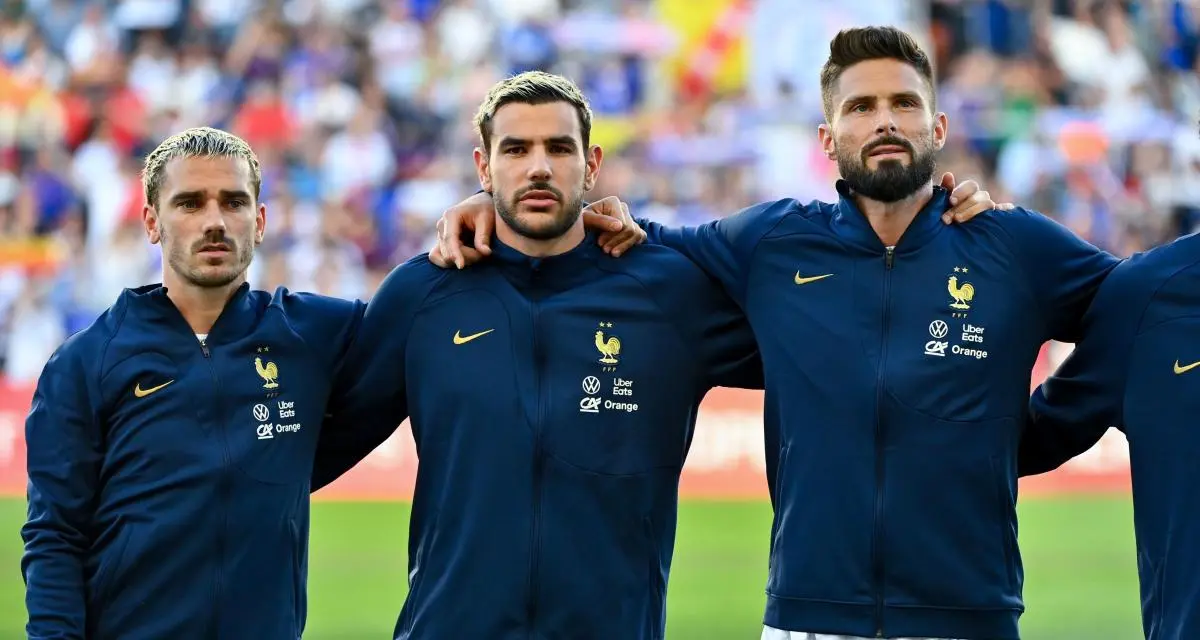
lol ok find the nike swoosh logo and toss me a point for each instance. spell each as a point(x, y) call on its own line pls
point(800, 280)
point(1179, 369)
point(142, 393)
point(460, 339)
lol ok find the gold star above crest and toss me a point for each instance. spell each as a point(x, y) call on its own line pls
point(264, 349)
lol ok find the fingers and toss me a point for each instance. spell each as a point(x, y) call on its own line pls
point(948, 181)
point(437, 258)
point(601, 222)
point(976, 204)
point(482, 235)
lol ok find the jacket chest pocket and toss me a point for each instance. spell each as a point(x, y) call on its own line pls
point(273, 421)
point(619, 423)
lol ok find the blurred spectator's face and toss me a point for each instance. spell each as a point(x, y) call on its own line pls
point(537, 169)
point(883, 133)
point(207, 220)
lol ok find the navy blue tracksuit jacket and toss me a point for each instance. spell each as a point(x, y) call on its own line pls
point(1138, 368)
point(552, 403)
point(169, 477)
point(897, 387)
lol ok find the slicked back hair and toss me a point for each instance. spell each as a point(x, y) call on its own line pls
point(852, 46)
point(532, 87)
point(197, 142)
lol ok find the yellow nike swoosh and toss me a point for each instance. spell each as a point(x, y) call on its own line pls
point(459, 339)
point(1179, 369)
point(142, 393)
point(800, 280)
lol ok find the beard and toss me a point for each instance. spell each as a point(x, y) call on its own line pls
point(893, 180)
point(208, 276)
point(568, 213)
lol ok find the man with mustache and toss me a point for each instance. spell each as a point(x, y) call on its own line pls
point(897, 353)
point(171, 442)
point(552, 393)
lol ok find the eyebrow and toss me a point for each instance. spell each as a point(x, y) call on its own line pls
point(508, 141)
point(903, 95)
point(225, 194)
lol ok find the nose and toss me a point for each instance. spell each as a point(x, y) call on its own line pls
point(884, 123)
point(539, 166)
point(214, 218)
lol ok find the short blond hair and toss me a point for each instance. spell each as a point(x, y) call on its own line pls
point(532, 87)
point(202, 142)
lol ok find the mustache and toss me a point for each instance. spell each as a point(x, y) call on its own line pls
point(538, 186)
point(888, 141)
point(214, 240)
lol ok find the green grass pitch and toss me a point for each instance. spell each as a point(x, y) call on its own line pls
point(1080, 575)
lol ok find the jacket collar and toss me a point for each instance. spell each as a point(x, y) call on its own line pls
point(237, 319)
point(557, 272)
point(850, 223)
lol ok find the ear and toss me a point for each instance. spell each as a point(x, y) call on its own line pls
point(941, 126)
point(825, 133)
point(593, 157)
point(260, 223)
point(150, 224)
point(483, 169)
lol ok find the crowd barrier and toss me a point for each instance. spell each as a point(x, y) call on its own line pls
point(726, 460)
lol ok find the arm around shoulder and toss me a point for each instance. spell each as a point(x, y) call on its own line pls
point(722, 248)
point(1064, 271)
point(369, 399)
point(1073, 409)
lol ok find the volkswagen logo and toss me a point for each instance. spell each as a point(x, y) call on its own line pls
point(261, 412)
point(591, 385)
point(938, 329)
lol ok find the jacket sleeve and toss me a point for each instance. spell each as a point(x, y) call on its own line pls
point(64, 456)
point(1064, 271)
point(369, 400)
point(722, 248)
point(1072, 409)
point(729, 352)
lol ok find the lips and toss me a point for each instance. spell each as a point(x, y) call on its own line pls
point(539, 198)
point(887, 149)
point(215, 248)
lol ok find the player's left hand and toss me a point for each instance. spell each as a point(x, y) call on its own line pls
point(967, 200)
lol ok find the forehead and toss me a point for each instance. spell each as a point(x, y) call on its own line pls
point(206, 173)
point(880, 78)
point(536, 121)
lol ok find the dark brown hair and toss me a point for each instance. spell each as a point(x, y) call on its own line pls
point(852, 46)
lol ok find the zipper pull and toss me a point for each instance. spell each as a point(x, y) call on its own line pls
point(890, 257)
point(204, 348)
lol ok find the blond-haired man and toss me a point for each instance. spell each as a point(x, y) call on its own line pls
point(171, 442)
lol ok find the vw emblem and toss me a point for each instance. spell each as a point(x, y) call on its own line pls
point(938, 329)
point(591, 385)
point(261, 412)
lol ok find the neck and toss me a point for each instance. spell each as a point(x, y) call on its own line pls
point(200, 306)
point(541, 248)
point(890, 219)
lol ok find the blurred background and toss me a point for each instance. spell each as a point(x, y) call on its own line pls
point(360, 111)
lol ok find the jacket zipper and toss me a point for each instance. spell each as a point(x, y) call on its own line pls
point(535, 533)
point(223, 490)
point(877, 543)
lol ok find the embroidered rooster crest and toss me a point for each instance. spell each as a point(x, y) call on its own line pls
point(962, 294)
point(609, 348)
point(268, 372)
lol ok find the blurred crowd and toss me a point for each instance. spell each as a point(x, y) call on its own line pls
point(360, 111)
